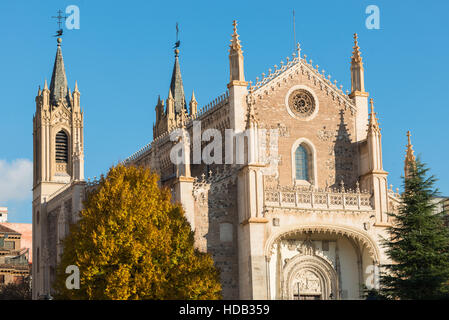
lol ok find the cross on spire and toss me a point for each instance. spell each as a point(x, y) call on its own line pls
point(59, 17)
point(178, 42)
point(408, 137)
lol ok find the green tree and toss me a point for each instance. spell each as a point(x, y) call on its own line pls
point(418, 243)
point(132, 242)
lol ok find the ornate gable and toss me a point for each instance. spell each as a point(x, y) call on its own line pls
point(279, 76)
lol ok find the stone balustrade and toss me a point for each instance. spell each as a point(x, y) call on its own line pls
point(309, 198)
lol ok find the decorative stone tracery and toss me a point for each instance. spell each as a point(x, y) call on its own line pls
point(359, 236)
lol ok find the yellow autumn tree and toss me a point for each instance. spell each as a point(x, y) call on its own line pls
point(132, 242)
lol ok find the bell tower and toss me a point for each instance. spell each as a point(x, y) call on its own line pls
point(58, 156)
point(57, 131)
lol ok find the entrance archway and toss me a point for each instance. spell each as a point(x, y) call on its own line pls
point(309, 277)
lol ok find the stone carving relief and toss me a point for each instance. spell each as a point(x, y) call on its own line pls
point(60, 117)
point(305, 247)
point(325, 135)
point(306, 282)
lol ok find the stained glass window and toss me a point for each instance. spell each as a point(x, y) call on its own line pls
point(301, 163)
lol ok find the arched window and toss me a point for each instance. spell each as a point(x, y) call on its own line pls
point(301, 163)
point(62, 147)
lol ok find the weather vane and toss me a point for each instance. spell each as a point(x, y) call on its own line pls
point(178, 42)
point(60, 17)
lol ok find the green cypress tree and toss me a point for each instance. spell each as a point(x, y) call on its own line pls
point(419, 243)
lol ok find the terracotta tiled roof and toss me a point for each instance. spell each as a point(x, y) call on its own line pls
point(4, 229)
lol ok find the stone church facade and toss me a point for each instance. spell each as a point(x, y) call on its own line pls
point(299, 218)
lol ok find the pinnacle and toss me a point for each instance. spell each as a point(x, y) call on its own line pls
point(356, 54)
point(235, 42)
point(58, 83)
point(409, 156)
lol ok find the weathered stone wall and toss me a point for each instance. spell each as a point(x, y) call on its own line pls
point(216, 226)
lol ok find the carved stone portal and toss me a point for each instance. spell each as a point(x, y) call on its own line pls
point(309, 277)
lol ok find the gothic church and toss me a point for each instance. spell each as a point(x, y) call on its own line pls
point(300, 218)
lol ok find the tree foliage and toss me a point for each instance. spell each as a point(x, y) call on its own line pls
point(16, 291)
point(418, 244)
point(132, 242)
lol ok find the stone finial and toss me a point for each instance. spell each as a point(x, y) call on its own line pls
point(410, 159)
point(235, 42)
point(356, 54)
point(193, 96)
point(373, 125)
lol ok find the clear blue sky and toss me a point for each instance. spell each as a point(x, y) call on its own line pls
point(122, 57)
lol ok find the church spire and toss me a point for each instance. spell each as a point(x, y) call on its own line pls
point(176, 86)
point(374, 141)
point(409, 156)
point(358, 94)
point(237, 76)
point(193, 104)
point(373, 124)
point(357, 76)
point(58, 84)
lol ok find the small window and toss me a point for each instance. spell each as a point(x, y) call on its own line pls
point(10, 245)
point(2, 278)
point(62, 148)
point(301, 163)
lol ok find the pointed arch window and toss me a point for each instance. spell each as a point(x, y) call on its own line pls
point(301, 163)
point(62, 147)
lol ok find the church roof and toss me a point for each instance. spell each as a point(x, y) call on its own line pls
point(58, 84)
point(4, 229)
point(176, 86)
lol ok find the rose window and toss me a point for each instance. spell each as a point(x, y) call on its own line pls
point(301, 102)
